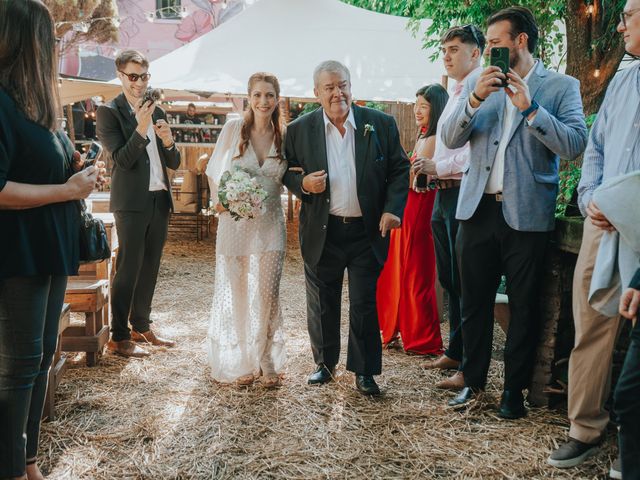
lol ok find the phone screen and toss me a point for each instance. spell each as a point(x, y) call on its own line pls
point(500, 58)
point(92, 154)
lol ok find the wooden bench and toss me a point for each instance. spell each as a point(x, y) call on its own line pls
point(58, 366)
point(90, 297)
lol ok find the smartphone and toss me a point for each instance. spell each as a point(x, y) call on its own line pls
point(500, 58)
point(92, 154)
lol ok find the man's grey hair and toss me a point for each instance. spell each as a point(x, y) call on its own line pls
point(331, 66)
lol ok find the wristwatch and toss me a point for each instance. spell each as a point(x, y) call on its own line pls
point(532, 108)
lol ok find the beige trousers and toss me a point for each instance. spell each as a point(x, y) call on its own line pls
point(590, 362)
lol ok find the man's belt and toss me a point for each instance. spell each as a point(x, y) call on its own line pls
point(444, 184)
point(496, 197)
point(346, 219)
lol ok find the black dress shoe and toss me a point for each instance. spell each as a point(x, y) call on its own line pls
point(367, 385)
point(512, 405)
point(323, 374)
point(466, 397)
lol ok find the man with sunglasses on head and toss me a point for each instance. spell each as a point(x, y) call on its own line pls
point(139, 140)
point(613, 150)
point(462, 49)
point(507, 198)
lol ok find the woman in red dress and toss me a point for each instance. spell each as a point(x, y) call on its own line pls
point(406, 296)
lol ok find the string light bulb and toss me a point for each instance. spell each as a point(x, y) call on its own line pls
point(590, 9)
point(596, 73)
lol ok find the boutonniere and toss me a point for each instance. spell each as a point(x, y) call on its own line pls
point(368, 128)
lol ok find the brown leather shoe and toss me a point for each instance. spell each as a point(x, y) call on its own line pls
point(127, 348)
point(443, 363)
point(454, 382)
point(150, 337)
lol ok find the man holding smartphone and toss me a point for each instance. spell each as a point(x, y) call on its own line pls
point(139, 140)
point(507, 197)
point(462, 49)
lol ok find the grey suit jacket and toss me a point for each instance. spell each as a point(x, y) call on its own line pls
point(116, 129)
point(532, 156)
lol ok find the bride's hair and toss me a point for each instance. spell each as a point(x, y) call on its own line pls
point(275, 116)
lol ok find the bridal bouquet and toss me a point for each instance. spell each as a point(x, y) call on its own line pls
point(241, 194)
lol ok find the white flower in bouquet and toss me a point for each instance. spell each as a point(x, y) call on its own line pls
point(241, 194)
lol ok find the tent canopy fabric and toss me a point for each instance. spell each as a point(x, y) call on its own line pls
point(75, 90)
point(289, 38)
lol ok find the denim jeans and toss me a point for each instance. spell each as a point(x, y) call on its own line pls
point(627, 409)
point(30, 310)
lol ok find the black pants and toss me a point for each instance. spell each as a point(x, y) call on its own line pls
point(141, 238)
point(487, 246)
point(445, 231)
point(30, 310)
point(346, 246)
point(627, 409)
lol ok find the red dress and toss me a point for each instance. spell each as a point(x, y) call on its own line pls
point(406, 294)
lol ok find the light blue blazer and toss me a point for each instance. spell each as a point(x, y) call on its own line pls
point(533, 153)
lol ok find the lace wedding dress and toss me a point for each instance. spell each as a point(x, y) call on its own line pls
point(245, 330)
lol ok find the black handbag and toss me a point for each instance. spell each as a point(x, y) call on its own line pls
point(94, 244)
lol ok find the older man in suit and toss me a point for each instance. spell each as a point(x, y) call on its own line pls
point(139, 140)
point(347, 166)
point(507, 197)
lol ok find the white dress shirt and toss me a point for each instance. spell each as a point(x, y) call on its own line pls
point(496, 178)
point(341, 164)
point(451, 162)
point(156, 177)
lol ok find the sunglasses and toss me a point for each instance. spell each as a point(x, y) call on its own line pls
point(626, 15)
point(472, 30)
point(133, 77)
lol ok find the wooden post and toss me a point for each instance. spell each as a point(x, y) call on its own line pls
point(72, 130)
point(445, 82)
point(286, 115)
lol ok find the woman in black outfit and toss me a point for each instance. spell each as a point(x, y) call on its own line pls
point(39, 226)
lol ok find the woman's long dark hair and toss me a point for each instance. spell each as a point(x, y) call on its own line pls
point(275, 116)
point(28, 62)
point(437, 97)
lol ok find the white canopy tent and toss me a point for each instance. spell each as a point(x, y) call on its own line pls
point(77, 89)
point(289, 38)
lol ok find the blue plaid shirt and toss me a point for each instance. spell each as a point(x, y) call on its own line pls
point(614, 141)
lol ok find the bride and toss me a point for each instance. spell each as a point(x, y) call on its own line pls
point(245, 340)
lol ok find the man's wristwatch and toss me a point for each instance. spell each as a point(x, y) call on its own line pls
point(532, 108)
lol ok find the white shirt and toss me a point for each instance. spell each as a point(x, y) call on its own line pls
point(156, 177)
point(341, 164)
point(496, 177)
point(450, 162)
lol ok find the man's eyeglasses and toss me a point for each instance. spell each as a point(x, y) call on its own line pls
point(626, 15)
point(133, 77)
point(472, 30)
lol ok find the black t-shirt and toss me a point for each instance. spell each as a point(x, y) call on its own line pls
point(42, 240)
point(196, 119)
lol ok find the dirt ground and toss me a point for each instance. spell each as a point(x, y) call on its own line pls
point(164, 418)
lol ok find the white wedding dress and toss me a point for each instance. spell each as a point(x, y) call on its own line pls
point(245, 330)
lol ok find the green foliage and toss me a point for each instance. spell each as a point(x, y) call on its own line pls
point(446, 13)
point(569, 179)
point(309, 107)
point(376, 106)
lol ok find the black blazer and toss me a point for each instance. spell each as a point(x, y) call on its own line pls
point(382, 175)
point(116, 129)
